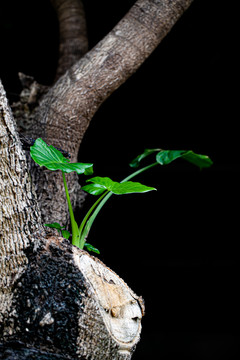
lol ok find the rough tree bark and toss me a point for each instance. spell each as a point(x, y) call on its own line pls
point(73, 41)
point(56, 301)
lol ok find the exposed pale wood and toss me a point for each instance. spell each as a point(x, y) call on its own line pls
point(120, 309)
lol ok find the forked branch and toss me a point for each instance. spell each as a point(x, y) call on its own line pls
point(67, 109)
point(79, 93)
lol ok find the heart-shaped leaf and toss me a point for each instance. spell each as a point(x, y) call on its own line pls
point(165, 157)
point(198, 159)
point(136, 162)
point(105, 183)
point(52, 159)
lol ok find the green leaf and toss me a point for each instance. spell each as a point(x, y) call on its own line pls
point(127, 187)
point(165, 157)
point(66, 234)
point(94, 189)
point(52, 159)
point(198, 159)
point(130, 187)
point(89, 247)
point(89, 170)
point(136, 162)
point(55, 225)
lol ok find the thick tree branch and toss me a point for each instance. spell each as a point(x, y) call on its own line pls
point(20, 222)
point(66, 111)
point(73, 42)
point(77, 95)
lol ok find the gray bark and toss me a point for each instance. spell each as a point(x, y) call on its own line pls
point(73, 41)
point(20, 223)
point(56, 301)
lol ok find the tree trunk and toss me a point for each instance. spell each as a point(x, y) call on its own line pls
point(56, 301)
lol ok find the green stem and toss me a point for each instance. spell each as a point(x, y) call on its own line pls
point(104, 200)
point(92, 218)
point(86, 218)
point(75, 232)
point(139, 171)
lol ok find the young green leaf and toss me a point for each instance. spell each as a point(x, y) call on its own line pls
point(117, 188)
point(55, 225)
point(66, 234)
point(136, 162)
point(89, 247)
point(198, 159)
point(52, 159)
point(165, 157)
point(94, 189)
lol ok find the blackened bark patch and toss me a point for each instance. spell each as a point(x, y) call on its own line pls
point(16, 351)
point(49, 301)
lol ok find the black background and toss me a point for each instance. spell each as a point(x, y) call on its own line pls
point(177, 247)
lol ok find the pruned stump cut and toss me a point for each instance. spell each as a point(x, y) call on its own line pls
point(69, 305)
point(119, 309)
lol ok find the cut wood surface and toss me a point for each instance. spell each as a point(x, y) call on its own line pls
point(69, 304)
